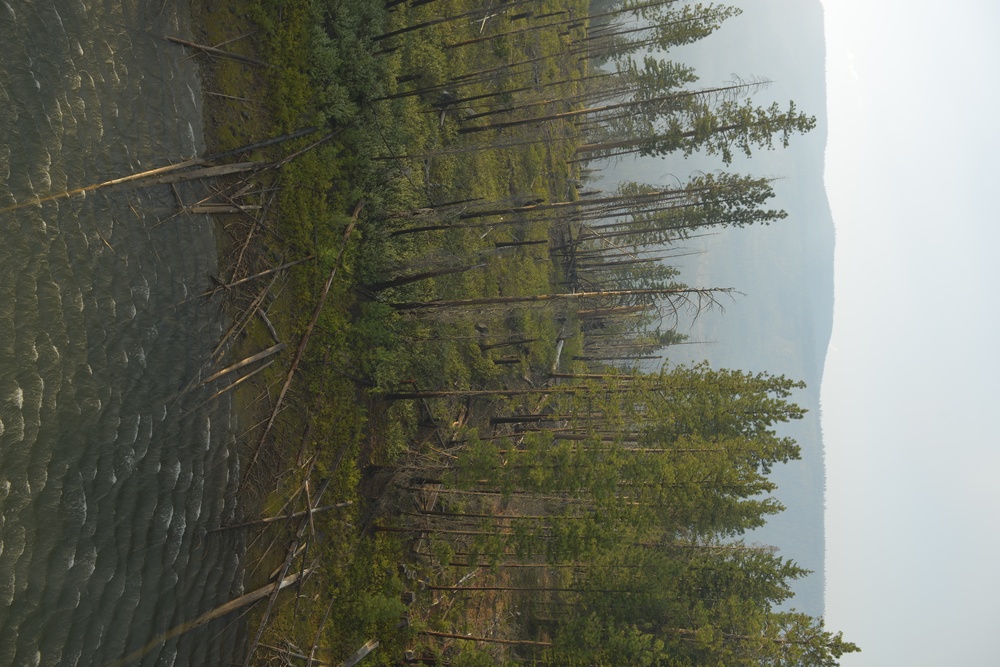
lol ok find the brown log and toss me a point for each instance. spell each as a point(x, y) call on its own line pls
point(115, 181)
point(207, 617)
point(286, 265)
point(205, 172)
point(361, 653)
point(272, 519)
point(218, 52)
point(492, 640)
point(302, 344)
point(274, 349)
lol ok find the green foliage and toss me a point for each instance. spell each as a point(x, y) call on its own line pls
point(343, 67)
point(474, 658)
point(428, 59)
point(619, 494)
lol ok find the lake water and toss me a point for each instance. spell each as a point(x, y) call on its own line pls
point(112, 469)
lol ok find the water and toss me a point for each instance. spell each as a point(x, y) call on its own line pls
point(110, 472)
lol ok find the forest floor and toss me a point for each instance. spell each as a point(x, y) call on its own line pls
point(320, 432)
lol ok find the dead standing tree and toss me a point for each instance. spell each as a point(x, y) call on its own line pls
point(674, 299)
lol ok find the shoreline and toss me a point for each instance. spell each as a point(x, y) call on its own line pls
point(284, 470)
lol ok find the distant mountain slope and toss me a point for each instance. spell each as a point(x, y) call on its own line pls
point(783, 321)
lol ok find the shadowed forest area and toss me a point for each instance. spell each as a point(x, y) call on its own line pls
point(459, 439)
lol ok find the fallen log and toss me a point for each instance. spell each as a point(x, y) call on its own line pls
point(272, 519)
point(218, 52)
point(209, 616)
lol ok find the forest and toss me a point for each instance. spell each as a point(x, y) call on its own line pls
point(467, 439)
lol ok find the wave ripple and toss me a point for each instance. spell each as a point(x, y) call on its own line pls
point(110, 473)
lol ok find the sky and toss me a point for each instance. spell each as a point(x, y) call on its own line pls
point(912, 378)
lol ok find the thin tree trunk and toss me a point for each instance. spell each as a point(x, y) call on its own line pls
point(416, 277)
point(684, 293)
point(302, 345)
point(272, 519)
point(490, 640)
point(209, 616)
point(218, 52)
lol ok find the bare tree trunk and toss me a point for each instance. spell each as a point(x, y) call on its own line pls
point(683, 294)
point(416, 277)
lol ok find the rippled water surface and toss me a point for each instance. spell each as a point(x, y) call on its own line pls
point(111, 468)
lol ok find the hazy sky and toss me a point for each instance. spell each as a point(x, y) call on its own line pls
point(911, 394)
